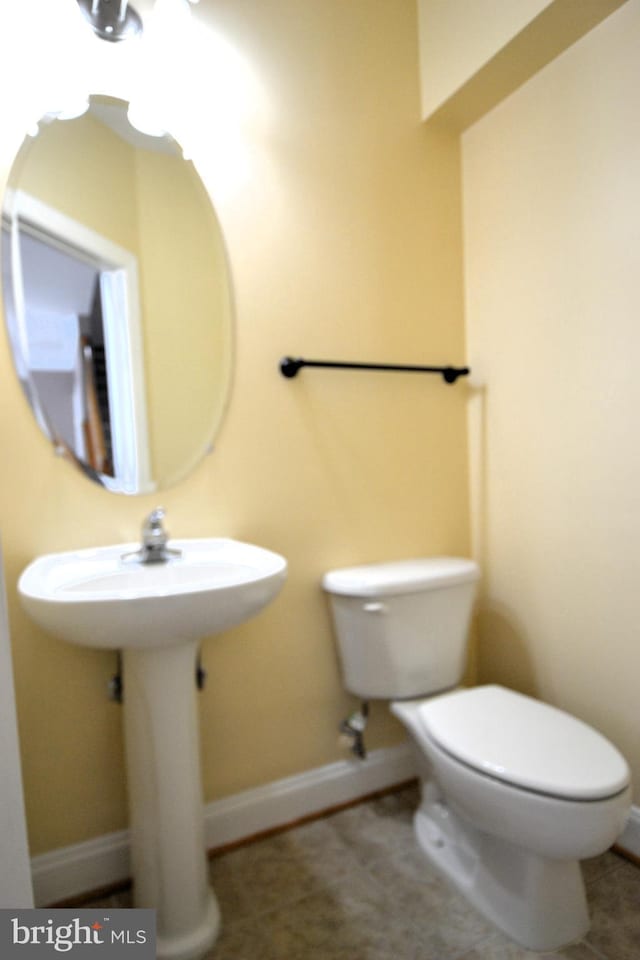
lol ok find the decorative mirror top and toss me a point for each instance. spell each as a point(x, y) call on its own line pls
point(117, 298)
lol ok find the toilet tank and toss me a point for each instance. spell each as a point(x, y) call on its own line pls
point(401, 628)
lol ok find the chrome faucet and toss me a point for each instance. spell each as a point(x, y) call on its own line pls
point(154, 547)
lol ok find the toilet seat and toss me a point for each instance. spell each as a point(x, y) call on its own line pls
point(525, 743)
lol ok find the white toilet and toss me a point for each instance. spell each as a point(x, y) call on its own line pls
point(514, 792)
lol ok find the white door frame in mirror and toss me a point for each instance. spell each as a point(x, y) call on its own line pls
point(118, 269)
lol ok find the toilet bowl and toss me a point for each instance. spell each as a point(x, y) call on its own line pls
point(514, 792)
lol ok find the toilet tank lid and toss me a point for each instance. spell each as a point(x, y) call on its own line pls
point(400, 576)
point(524, 742)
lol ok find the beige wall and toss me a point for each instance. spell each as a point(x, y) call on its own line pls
point(344, 241)
point(185, 291)
point(63, 166)
point(551, 199)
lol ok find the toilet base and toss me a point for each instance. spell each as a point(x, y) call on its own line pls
point(538, 902)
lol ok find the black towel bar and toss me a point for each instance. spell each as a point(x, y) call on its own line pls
point(289, 367)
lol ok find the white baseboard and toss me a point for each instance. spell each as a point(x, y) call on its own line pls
point(286, 800)
point(629, 839)
point(78, 869)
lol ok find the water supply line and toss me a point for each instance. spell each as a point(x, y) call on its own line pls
point(352, 730)
point(115, 686)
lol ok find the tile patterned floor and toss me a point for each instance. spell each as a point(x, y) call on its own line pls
point(353, 886)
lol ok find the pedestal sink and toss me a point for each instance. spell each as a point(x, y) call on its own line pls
point(157, 613)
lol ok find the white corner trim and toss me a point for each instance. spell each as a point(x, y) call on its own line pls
point(629, 839)
point(83, 867)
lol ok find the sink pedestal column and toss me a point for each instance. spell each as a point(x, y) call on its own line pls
point(165, 798)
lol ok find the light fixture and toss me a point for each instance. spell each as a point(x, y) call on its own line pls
point(116, 20)
point(112, 20)
point(157, 36)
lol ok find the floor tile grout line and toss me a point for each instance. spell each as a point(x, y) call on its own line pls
point(483, 941)
point(597, 953)
point(606, 872)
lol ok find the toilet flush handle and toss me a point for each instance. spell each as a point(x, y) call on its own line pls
point(375, 607)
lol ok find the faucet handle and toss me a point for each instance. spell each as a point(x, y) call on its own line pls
point(155, 517)
point(152, 529)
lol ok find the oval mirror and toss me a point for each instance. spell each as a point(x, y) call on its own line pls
point(117, 298)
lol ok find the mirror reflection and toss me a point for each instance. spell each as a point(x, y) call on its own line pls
point(117, 298)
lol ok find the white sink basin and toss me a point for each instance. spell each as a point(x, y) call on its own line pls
point(157, 614)
point(96, 599)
